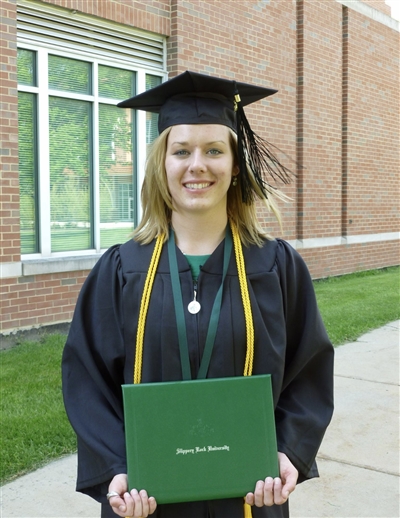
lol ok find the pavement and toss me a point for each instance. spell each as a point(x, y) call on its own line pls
point(358, 460)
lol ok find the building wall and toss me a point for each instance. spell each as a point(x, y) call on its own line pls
point(335, 115)
point(372, 127)
point(319, 120)
point(35, 300)
point(338, 260)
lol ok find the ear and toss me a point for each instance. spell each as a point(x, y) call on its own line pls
point(235, 170)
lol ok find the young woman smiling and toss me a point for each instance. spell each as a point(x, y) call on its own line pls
point(203, 176)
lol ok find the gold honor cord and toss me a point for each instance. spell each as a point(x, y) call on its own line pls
point(244, 290)
point(248, 316)
point(144, 306)
point(248, 366)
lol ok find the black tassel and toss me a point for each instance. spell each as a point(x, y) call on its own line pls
point(258, 154)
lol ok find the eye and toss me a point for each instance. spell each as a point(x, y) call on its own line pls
point(181, 152)
point(215, 151)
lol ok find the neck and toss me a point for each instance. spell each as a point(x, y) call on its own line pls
point(198, 235)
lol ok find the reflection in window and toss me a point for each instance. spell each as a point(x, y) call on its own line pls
point(116, 174)
point(70, 174)
point(70, 75)
point(82, 155)
point(28, 172)
point(151, 118)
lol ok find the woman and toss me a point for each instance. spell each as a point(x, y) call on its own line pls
point(202, 178)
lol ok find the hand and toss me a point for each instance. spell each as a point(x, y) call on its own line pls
point(135, 504)
point(275, 491)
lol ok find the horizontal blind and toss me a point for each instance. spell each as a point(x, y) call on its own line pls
point(76, 32)
point(70, 174)
point(27, 139)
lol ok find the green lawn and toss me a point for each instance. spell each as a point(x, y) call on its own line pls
point(354, 304)
point(33, 424)
point(34, 427)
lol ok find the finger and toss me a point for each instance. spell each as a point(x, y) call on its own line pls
point(259, 494)
point(152, 504)
point(290, 482)
point(118, 504)
point(145, 503)
point(268, 496)
point(278, 498)
point(250, 498)
point(137, 504)
point(289, 487)
point(129, 505)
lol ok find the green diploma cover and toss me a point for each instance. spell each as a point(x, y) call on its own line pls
point(200, 440)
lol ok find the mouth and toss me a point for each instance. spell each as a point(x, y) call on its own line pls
point(197, 186)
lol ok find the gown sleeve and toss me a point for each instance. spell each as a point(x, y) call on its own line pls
point(305, 404)
point(92, 373)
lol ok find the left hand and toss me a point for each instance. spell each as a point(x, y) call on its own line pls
point(275, 490)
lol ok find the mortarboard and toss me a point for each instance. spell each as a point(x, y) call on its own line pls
point(193, 98)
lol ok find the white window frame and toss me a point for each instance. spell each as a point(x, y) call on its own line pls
point(43, 48)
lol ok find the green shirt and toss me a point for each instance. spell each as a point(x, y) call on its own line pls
point(195, 262)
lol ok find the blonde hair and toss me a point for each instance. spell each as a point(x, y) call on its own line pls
point(158, 206)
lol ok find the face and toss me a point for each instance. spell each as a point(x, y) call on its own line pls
point(199, 165)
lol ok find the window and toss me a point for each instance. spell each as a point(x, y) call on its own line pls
point(78, 152)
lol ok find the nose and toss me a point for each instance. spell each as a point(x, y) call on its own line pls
point(197, 164)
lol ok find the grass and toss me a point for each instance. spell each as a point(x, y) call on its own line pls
point(34, 427)
point(33, 424)
point(354, 304)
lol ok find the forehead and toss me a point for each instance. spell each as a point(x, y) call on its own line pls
point(208, 132)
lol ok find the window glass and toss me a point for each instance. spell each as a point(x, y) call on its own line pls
point(151, 118)
point(70, 75)
point(82, 155)
point(26, 67)
point(116, 175)
point(70, 174)
point(116, 83)
point(27, 171)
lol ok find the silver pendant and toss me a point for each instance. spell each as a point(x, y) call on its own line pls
point(194, 306)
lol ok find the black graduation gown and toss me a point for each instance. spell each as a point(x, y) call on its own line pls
point(290, 343)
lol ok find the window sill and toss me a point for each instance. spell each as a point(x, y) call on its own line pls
point(58, 265)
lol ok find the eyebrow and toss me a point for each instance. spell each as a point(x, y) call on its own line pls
point(206, 144)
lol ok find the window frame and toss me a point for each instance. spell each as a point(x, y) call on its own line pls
point(43, 93)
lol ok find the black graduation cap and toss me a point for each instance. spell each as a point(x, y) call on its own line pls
point(193, 98)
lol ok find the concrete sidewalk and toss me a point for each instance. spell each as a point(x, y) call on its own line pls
point(358, 460)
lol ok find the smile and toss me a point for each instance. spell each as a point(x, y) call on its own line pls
point(197, 185)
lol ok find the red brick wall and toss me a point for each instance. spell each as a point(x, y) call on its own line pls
point(319, 196)
point(9, 194)
point(373, 127)
point(39, 299)
point(339, 260)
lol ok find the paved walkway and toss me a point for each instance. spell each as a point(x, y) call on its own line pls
point(358, 460)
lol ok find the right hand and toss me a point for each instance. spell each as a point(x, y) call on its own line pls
point(135, 504)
